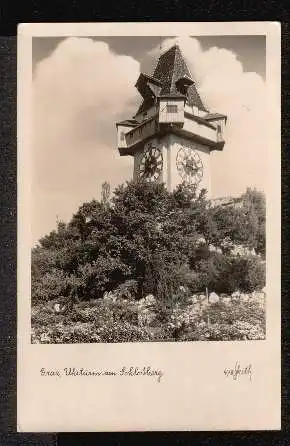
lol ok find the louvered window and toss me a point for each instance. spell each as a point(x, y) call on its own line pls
point(170, 108)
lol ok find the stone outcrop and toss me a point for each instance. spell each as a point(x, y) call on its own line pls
point(146, 310)
point(213, 298)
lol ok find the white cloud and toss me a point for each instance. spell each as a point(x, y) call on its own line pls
point(226, 88)
point(80, 91)
point(83, 88)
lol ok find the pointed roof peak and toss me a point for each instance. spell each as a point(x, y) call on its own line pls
point(175, 48)
point(172, 67)
point(174, 45)
point(175, 77)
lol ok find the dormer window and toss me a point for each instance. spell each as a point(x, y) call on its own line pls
point(219, 132)
point(122, 136)
point(183, 83)
point(148, 86)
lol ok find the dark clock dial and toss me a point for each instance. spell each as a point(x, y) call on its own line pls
point(189, 165)
point(151, 163)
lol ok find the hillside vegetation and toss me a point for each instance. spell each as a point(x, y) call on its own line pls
point(93, 277)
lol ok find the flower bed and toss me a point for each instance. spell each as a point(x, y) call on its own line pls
point(227, 318)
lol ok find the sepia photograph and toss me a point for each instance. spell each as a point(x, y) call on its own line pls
point(148, 227)
point(148, 189)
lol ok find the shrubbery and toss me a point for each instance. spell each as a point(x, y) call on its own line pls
point(227, 273)
point(120, 321)
point(146, 241)
point(51, 285)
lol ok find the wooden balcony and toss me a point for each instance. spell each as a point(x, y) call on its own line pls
point(192, 127)
point(139, 134)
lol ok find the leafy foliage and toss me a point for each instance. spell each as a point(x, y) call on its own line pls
point(227, 273)
point(146, 240)
point(107, 321)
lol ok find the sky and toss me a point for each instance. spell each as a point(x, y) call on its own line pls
point(83, 86)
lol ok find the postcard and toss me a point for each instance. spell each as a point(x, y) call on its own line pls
point(149, 227)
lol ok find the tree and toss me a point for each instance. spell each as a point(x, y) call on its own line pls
point(152, 237)
point(106, 193)
point(255, 209)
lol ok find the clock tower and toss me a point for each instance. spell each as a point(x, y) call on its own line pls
point(172, 134)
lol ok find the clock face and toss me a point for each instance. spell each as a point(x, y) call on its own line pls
point(189, 165)
point(151, 163)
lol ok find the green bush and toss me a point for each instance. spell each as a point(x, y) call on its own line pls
point(148, 236)
point(147, 240)
point(127, 290)
point(103, 274)
point(51, 285)
point(227, 273)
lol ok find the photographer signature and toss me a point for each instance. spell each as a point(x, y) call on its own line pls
point(237, 371)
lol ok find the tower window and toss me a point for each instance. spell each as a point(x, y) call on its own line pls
point(219, 132)
point(171, 108)
point(122, 136)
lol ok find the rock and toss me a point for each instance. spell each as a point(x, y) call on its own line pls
point(244, 297)
point(213, 298)
point(182, 289)
point(110, 296)
point(236, 295)
point(113, 297)
point(227, 300)
point(194, 309)
point(194, 299)
point(56, 308)
point(202, 297)
point(150, 299)
point(147, 301)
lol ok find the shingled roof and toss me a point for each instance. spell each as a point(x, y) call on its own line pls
point(170, 68)
point(128, 122)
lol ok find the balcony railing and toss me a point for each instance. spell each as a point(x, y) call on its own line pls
point(142, 131)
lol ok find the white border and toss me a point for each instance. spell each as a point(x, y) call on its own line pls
point(193, 394)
